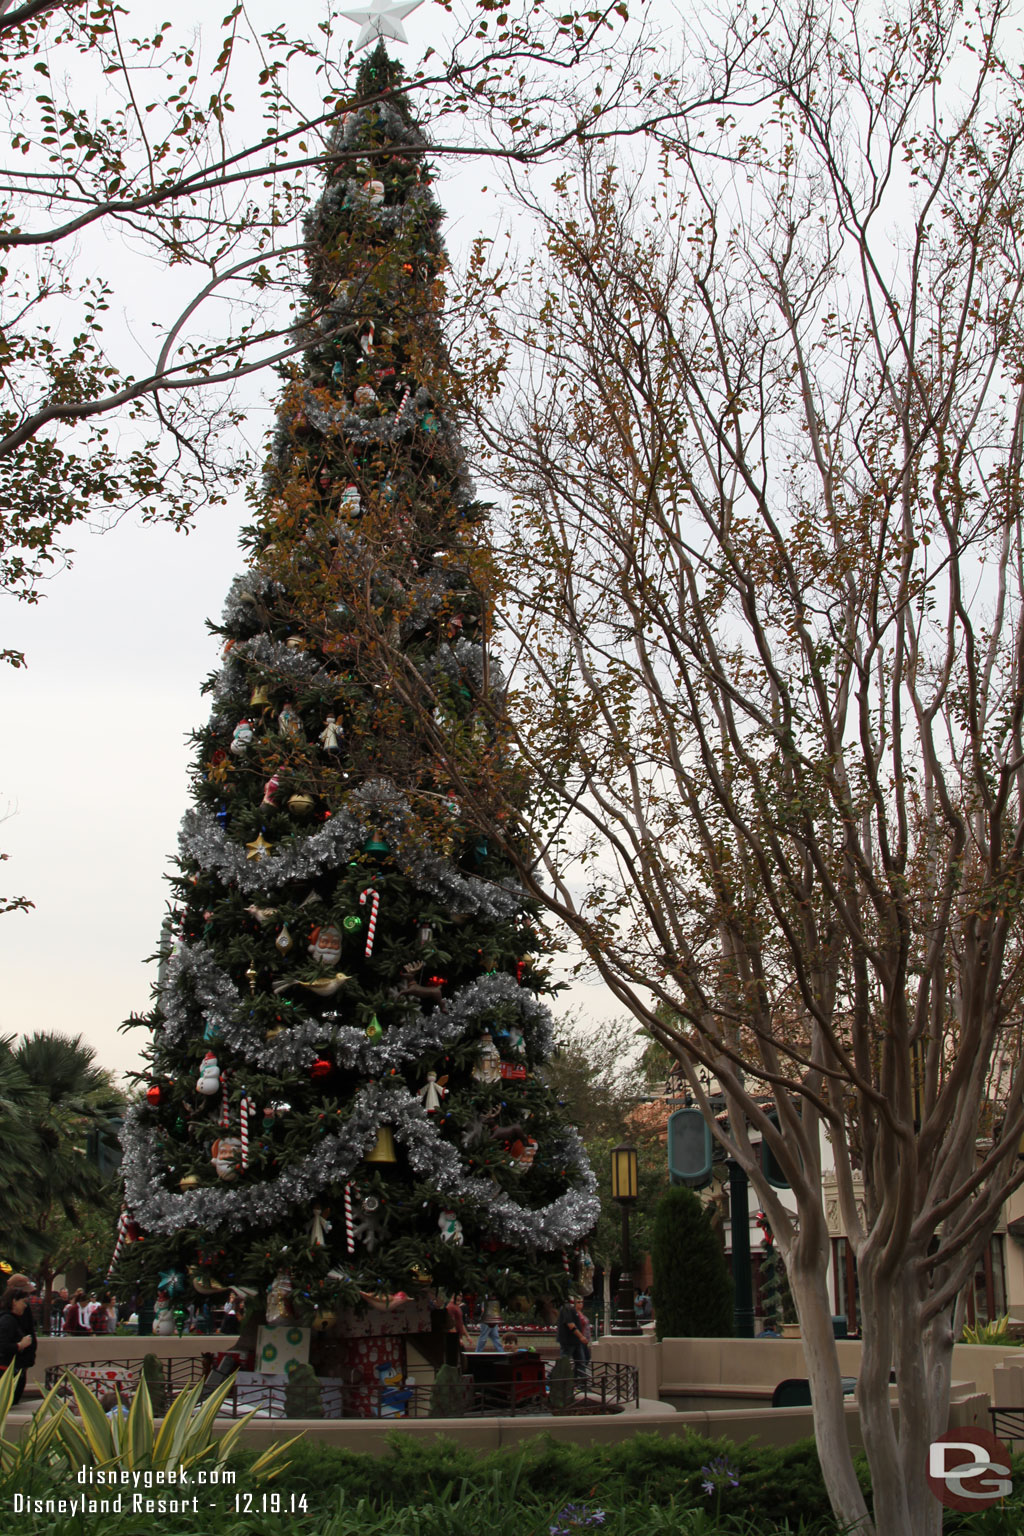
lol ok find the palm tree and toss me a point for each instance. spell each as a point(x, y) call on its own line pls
point(61, 1095)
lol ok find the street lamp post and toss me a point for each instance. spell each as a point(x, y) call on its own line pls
point(625, 1188)
point(742, 1277)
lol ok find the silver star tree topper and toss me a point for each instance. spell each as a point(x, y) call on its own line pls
point(382, 19)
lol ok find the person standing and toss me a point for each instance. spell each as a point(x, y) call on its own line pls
point(489, 1326)
point(571, 1342)
point(28, 1319)
point(457, 1337)
point(15, 1343)
point(585, 1330)
point(74, 1323)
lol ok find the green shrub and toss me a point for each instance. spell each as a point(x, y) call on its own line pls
point(156, 1386)
point(692, 1289)
point(302, 1399)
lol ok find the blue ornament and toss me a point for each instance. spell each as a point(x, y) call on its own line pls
point(338, 372)
point(222, 816)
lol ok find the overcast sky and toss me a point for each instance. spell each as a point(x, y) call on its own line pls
point(93, 771)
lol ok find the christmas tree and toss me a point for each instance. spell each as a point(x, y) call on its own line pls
point(345, 1112)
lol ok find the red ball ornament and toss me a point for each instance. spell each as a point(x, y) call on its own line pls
point(321, 1067)
point(154, 1094)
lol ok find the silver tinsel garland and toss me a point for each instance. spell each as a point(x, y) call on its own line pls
point(368, 811)
point(197, 992)
point(336, 1159)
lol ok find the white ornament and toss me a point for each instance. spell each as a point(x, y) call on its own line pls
point(431, 1094)
point(241, 740)
point(209, 1076)
point(163, 1321)
point(351, 502)
point(321, 1227)
point(451, 1228)
point(365, 395)
point(330, 736)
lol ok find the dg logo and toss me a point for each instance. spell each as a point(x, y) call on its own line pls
point(969, 1469)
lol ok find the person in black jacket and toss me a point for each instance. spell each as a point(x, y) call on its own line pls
point(15, 1343)
point(28, 1320)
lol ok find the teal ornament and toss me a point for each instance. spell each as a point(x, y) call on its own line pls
point(173, 1282)
point(480, 851)
point(211, 1032)
point(430, 423)
point(375, 845)
point(352, 924)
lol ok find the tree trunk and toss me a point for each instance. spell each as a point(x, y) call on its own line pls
point(922, 1356)
point(924, 1367)
point(810, 1292)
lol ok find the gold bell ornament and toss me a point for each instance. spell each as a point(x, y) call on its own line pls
point(383, 1149)
point(260, 696)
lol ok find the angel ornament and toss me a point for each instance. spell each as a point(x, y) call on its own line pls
point(431, 1094)
point(321, 1227)
point(488, 1062)
point(330, 736)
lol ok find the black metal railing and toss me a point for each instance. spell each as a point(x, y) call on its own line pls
point(175, 1372)
point(608, 1387)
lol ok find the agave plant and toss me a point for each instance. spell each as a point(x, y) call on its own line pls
point(132, 1442)
point(37, 1446)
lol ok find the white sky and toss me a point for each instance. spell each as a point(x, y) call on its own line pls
point(93, 767)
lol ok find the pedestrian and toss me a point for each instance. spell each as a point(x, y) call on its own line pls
point(457, 1337)
point(28, 1317)
point(585, 1329)
point(103, 1318)
point(569, 1334)
point(60, 1301)
point(489, 1325)
point(88, 1310)
point(74, 1322)
point(15, 1342)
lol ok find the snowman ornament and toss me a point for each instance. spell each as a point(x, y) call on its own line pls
point(241, 739)
point(209, 1076)
point(451, 1228)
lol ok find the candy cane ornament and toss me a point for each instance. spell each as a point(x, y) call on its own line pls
point(245, 1109)
point(122, 1229)
point(350, 1226)
point(371, 927)
point(225, 1107)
